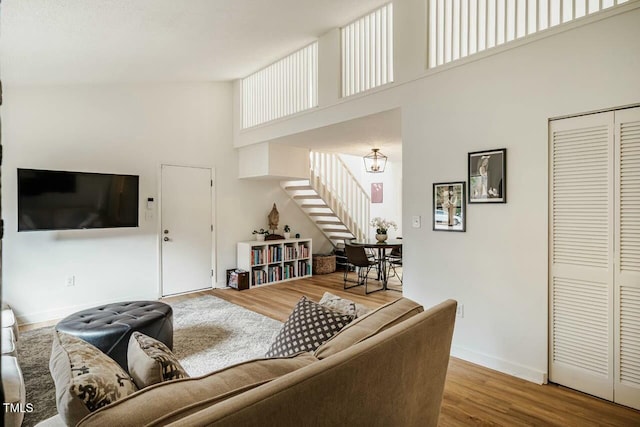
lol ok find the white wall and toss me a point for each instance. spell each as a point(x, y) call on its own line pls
point(391, 206)
point(498, 268)
point(130, 129)
point(273, 161)
point(502, 98)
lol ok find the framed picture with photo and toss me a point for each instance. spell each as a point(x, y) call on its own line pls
point(376, 192)
point(449, 206)
point(488, 176)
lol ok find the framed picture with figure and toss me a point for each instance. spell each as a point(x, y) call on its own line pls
point(488, 176)
point(449, 206)
point(376, 192)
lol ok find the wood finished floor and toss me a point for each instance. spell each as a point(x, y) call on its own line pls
point(282, 297)
point(473, 395)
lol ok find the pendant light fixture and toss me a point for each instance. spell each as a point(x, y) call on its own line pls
point(375, 161)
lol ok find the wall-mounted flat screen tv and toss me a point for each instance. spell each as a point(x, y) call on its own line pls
point(59, 200)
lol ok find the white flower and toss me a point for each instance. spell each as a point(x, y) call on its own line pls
point(382, 225)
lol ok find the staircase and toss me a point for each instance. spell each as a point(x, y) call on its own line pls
point(332, 198)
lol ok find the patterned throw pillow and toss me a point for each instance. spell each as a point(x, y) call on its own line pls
point(86, 379)
point(151, 362)
point(343, 305)
point(308, 326)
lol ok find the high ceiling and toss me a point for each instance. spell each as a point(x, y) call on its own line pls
point(104, 41)
point(46, 42)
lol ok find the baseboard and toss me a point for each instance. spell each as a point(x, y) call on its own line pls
point(504, 366)
point(53, 315)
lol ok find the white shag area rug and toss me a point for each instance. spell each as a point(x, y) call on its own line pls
point(210, 333)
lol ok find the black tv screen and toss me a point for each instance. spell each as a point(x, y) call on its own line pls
point(58, 200)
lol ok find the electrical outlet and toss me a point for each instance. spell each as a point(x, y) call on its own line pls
point(71, 281)
point(460, 311)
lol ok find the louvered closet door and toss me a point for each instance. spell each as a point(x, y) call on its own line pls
point(581, 254)
point(627, 262)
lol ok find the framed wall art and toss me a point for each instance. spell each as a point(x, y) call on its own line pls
point(488, 176)
point(376, 192)
point(449, 206)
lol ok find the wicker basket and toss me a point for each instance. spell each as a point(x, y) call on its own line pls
point(324, 264)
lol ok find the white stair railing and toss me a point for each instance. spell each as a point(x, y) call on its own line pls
point(333, 181)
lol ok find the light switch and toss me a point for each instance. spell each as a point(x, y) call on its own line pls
point(415, 221)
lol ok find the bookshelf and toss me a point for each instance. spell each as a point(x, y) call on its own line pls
point(275, 261)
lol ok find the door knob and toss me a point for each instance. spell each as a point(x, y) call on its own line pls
point(166, 239)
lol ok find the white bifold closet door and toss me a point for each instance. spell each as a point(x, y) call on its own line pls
point(595, 254)
point(581, 227)
point(627, 259)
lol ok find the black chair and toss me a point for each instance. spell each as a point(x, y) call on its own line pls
point(394, 260)
point(357, 256)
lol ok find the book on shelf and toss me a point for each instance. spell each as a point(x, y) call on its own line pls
point(289, 253)
point(289, 271)
point(259, 277)
point(304, 268)
point(275, 254)
point(258, 256)
point(303, 251)
point(274, 273)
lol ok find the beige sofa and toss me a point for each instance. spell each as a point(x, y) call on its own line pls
point(386, 368)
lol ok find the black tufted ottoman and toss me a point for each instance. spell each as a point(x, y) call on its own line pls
point(110, 326)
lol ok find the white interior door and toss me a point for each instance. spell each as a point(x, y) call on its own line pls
point(186, 229)
point(595, 254)
point(627, 265)
point(581, 254)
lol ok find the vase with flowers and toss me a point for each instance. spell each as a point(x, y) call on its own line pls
point(382, 226)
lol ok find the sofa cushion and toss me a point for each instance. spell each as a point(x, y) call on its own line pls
point(308, 326)
point(164, 402)
point(9, 320)
point(151, 362)
point(8, 342)
point(369, 325)
point(14, 390)
point(85, 378)
point(343, 305)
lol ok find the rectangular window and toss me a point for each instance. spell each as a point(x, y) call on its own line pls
point(459, 28)
point(285, 87)
point(367, 52)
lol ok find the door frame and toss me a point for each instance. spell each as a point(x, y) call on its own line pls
point(213, 254)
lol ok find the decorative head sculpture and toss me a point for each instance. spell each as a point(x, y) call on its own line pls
point(274, 218)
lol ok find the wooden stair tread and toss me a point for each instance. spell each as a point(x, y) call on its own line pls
point(298, 187)
point(307, 206)
point(307, 196)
